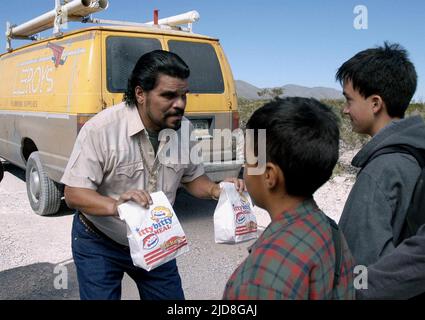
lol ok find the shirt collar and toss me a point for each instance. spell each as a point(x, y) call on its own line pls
point(304, 208)
point(287, 217)
point(135, 124)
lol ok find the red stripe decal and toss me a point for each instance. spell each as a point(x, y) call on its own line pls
point(165, 254)
point(250, 231)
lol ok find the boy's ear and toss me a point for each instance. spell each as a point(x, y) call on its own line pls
point(377, 103)
point(273, 176)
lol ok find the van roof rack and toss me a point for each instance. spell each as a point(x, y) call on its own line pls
point(82, 10)
point(172, 23)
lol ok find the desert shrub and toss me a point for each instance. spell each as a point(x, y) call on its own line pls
point(349, 139)
point(246, 108)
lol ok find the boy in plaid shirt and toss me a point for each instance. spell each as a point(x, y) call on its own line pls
point(295, 256)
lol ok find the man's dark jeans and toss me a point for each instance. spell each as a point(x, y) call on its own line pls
point(101, 264)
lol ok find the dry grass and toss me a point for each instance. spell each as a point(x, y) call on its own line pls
point(349, 139)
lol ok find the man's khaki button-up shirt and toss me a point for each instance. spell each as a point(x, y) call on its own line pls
point(107, 158)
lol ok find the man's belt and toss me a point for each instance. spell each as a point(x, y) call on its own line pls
point(89, 225)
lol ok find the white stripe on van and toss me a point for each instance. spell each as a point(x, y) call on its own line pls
point(46, 115)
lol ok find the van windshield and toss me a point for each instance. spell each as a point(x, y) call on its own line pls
point(205, 72)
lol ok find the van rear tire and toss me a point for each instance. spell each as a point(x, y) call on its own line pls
point(43, 193)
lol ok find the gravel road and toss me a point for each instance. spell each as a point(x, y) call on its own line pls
point(32, 248)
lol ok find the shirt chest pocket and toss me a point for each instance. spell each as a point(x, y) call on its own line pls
point(130, 170)
point(125, 177)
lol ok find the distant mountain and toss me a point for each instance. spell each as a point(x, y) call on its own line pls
point(249, 91)
point(291, 90)
point(246, 90)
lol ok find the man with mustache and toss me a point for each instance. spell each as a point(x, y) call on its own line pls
point(116, 158)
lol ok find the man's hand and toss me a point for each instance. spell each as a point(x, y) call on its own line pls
point(239, 185)
point(202, 187)
point(141, 197)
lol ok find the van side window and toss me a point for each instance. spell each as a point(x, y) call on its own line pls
point(205, 71)
point(122, 54)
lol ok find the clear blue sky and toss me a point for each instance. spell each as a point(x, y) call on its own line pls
point(273, 43)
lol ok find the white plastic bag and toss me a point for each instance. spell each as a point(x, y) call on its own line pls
point(155, 235)
point(234, 219)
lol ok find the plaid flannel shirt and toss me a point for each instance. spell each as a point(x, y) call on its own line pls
point(294, 258)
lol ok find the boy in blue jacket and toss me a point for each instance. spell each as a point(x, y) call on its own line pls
point(378, 85)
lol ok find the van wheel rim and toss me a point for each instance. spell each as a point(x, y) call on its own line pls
point(35, 188)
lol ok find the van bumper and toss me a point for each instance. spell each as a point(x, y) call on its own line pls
point(218, 171)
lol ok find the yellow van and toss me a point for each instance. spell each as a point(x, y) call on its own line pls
point(51, 87)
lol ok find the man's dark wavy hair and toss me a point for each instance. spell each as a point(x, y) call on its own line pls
point(385, 71)
point(149, 67)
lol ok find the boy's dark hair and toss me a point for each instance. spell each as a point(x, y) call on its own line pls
point(302, 138)
point(385, 71)
point(149, 67)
